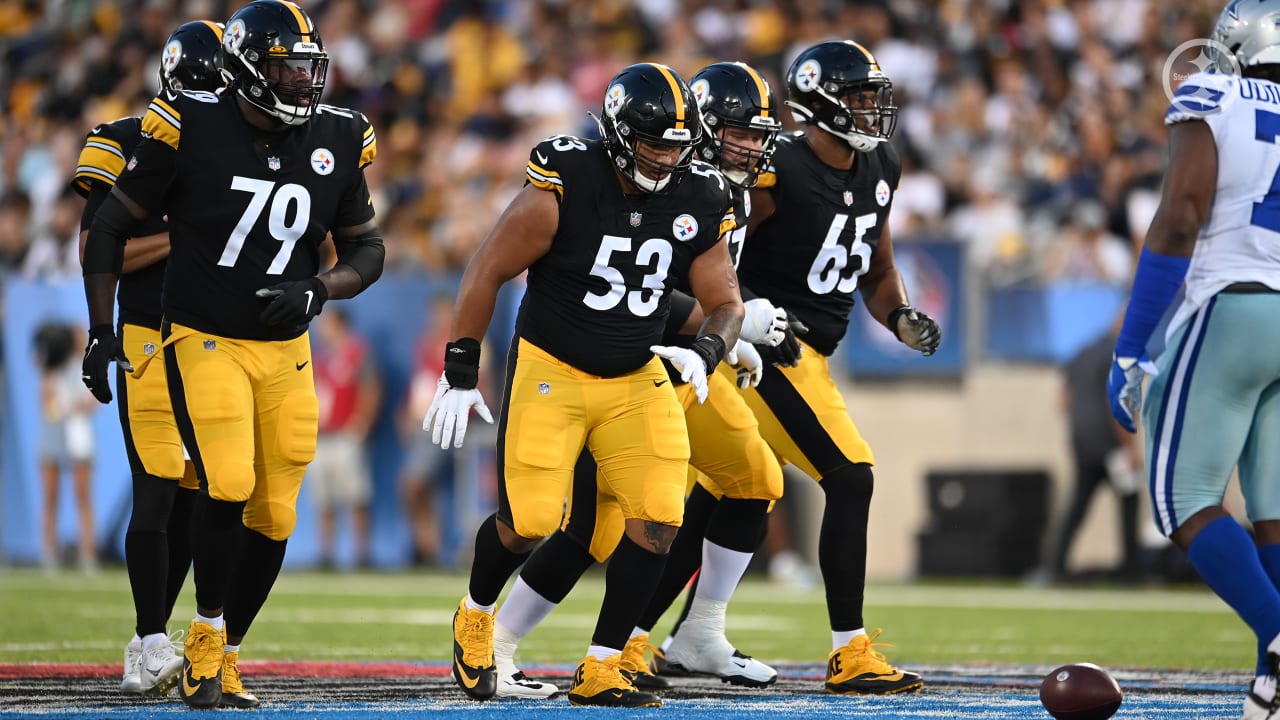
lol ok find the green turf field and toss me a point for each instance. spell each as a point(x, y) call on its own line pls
point(311, 616)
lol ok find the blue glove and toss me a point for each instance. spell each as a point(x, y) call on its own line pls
point(1124, 387)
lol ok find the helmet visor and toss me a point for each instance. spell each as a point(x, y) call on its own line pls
point(296, 79)
point(871, 109)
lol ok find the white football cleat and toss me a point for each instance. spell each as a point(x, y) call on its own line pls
point(159, 669)
point(131, 683)
point(512, 682)
point(711, 654)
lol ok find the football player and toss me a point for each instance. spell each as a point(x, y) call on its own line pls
point(603, 228)
point(1213, 406)
point(251, 180)
point(818, 232)
point(157, 543)
point(740, 123)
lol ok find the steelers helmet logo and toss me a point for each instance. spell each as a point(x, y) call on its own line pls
point(808, 74)
point(171, 56)
point(322, 161)
point(233, 36)
point(701, 91)
point(685, 228)
point(614, 99)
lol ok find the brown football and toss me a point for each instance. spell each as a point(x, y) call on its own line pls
point(1081, 691)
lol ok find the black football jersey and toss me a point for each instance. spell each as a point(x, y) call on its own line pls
point(600, 296)
point(807, 256)
point(246, 209)
point(740, 205)
point(106, 150)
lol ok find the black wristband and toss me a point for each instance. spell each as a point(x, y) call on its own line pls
point(462, 363)
point(710, 348)
point(102, 332)
point(893, 319)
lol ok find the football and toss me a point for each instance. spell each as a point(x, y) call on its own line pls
point(1081, 691)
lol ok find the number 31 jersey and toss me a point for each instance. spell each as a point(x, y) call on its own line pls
point(808, 255)
point(247, 209)
point(600, 296)
point(1240, 240)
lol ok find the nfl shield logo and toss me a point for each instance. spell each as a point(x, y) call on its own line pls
point(635, 219)
point(273, 163)
point(148, 348)
point(848, 197)
point(210, 345)
point(544, 388)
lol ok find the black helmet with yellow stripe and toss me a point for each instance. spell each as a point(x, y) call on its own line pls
point(839, 86)
point(276, 58)
point(650, 103)
point(734, 95)
point(192, 58)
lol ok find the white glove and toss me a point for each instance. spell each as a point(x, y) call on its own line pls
point(450, 409)
point(763, 324)
point(689, 364)
point(746, 360)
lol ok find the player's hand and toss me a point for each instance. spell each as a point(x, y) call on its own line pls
point(103, 348)
point(764, 324)
point(746, 360)
point(787, 353)
point(690, 365)
point(449, 412)
point(293, 303)
point(915, 330)
point(1124, 387)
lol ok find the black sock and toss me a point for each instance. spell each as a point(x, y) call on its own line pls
point(556, 566)
point(146, 549)
point(628, 585)
point(685, 557)
point(493, 564)
point(256, 573)
point(842, 545)
point(179, 547)
point(216, 527)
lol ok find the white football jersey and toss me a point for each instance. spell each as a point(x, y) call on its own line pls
point(1240, 241)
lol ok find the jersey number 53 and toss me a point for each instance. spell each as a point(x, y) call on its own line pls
point(655, 252)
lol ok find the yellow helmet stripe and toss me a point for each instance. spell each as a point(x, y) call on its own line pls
point(867, 53)
point(761, 87)
point(304, 24)
point(675, 91)
point(217, 31)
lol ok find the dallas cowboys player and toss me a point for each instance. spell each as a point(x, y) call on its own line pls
point(1214, 402)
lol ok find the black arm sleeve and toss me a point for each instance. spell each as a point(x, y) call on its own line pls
point(682, 305)
point(110, 229)
point(364, 253)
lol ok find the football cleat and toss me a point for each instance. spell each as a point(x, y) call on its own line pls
point(160, 668)
point(858, 668)
point(635, 667)
point(512, 682)
point(601, 682)
point(660, 667)
point(473, 667)
point(131, 683)
point(233, 693)
point(693, 652)
point(201, 681)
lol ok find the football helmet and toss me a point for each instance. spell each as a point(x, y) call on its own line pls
point(276, 59)
point(651, 103)
point(192, 58)
point(838, 86)
point(1248, 33)
point(734, 95)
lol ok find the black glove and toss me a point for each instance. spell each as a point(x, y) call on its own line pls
point(787, 353)
point(103, 347)
point(915, 329)
point(293, 303)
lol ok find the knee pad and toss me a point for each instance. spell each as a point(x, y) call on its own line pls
point(271, 518)
point(297, 424)
point(537, 517)
point(852, 483)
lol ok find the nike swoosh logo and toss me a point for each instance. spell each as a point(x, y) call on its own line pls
point(95, 131)
point(301, 365)
point(464, 677)
point(541, 158)
point(154, 672)
point(659, 383)
point(309, 295)
point(187, 689)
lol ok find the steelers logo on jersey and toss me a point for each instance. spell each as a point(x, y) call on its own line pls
point(233, 36)
point(171, 56)
point(882, 193)
point(322, 161)
point(685, 228)
point(614, 99)
point(808, 74)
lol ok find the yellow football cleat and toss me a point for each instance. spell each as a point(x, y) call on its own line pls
point(201, 683)
point(601, 682)
point(473, 667)
point(233, 693)
point(635, 667)
point(858, 668)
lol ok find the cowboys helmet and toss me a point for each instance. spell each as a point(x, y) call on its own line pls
point(276, 59)
point(651, 103)
point(839, 87)
point(192, 58)
point(734, 95)
point(1247, 34)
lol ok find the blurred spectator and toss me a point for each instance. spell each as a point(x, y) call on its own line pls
point(66, 440)
point(54, 253)
point(426, 467)
point(1086, 252)
point(349, 391)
